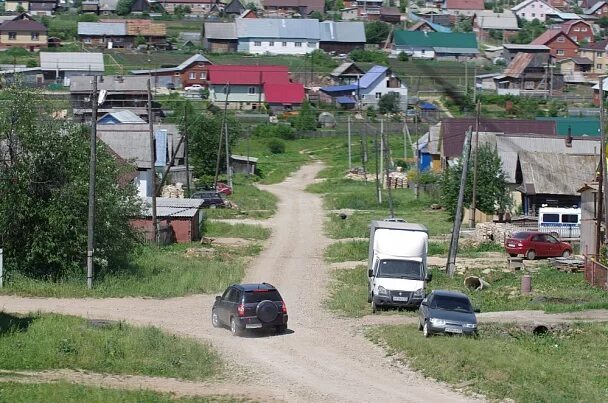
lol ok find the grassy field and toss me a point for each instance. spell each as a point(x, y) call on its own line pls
point(154, 272)
point(220, 229)
point(54, 341)
point(552, 291)
point(70, 393)
point(250, 201)
point(507, 363)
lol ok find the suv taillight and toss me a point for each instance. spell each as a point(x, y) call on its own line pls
point(284, 307)
point(241, 310)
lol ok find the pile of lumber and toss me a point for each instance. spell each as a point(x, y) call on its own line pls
point(568, 264)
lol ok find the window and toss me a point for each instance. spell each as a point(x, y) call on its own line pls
point(311, 44)
point(570, 218)
point(257, 43)
point(271, 43)
point(87, 40)
point(577, 29)
point(584, 29)
point(523, 14)
point(298, 44)
point(598, 66)
point(599, 54)
point(378, 95)
point(561, 39)
point(533, 15)
point(560, 52)
point(251, 90)
point(192, 76)
point(284, 44)
point(12, 36)
point(203, 75)
point(550, 218)
point(542, 15)
point(35, 36)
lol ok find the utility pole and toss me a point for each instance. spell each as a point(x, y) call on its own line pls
point(219, 147)
point(551, 81)
point(466, 151)
point(381, 158)
point(152, 163)
point(350, 155)
point(388, 181)
point(475, 81)
point(417, 184)
point(92, 169)
point(474, 200)
point(228, 169)
point(186, 150)
point(466, 78)
point(376, 158)
point(602, 178)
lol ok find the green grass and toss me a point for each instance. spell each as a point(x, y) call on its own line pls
point(507, 363)
point(251, 202)
point(154, 272)
point(466, 250)
point(70, 393)
point(227, 230)
point(552, 291)
point(55, 341)
point(347, 251)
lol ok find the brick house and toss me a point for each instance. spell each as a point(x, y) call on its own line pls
point(578, 30)
point(191, 71)
point(183, 216)
point(599, 9)
point(23, 32)
point(597, 53)
point(561, 45)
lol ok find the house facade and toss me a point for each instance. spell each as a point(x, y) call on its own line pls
point(278, 36)
point(530, 10)
point(487, 21)
point(561, 45)
point(33, 7)
point(197, 7)
point(23, 32)
point(578, 30)
point(220, 37)
point(436, 45)
point(341, 37)
point(122, 33)
point(293, 7)
point(61, 67)
point(598, 10)
point(179, 220)
point(597, 53)
point(193, 70)
point(463, 8)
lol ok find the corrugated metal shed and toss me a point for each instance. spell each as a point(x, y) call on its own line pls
point(515, 46)
point(172, 207)
point(342, 32)
point(102, 28)
point(72, 61)
point(542, 173)
point(278, 28)
point(220, 30)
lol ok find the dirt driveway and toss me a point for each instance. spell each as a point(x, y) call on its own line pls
point(322, 358)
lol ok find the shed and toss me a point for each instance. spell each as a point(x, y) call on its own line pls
point(243, 164)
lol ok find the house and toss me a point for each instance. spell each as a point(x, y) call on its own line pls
point(561, 45)
point(574, 69)
point(598, 10)
point(341, 37)
point(235, 8)
point(392, 15)
point(369, 89)
point(249, 13)
point(23, 32)
point(245, 87)
point(220, 37)
point(511, 50)
point(140, 7)
point(277, 36)
point(191, 71)
point(579, 30)
point(179, 220)
point(121, 92)
point(122, 33)
point(197, 7)
point(190, 38)
point(467, 8)
point(367, 9)
point(487, 21)
point(33, 7)
point(107, 7)
point(293, 7)
point(60, 67)
point(529, 74)
point(424, 25)
point(530, 10)
point(596, 52)
point(436, 45)
point(346, 73)
point(120, 117)
point(90, 7)
point(428, 154)
point(350, 13)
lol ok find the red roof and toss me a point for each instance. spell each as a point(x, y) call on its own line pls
point(464, 5)
point(247, 75)
point(548, 36)
point(289, 93)
point(567, 26)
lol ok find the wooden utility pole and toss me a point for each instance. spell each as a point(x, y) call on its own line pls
point(228, 169)
point(381, 158)
point(92, 169)
point(221, 136)
point(466, 152)
point(385, 146)
point(152, 162)
point(602, 176)
point(186, 149)
point(350, 154)
point(377, 158)
point(474, 200)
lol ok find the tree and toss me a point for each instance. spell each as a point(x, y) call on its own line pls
point(180, 11)
point(464, 25)
point(529, 31)
point(376, 32)
point(389, 103)
point(316, 15)
point(307, 118)
point(338, 5)
point(123, 7)
point(44, 180)
point(251, 6)
point(492, 193)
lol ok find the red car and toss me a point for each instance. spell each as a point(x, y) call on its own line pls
point(536, 244)
point(223, 188)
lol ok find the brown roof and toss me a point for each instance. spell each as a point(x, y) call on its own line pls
point(464, 5)
point(453, 130)
point(22, 25)
point(390, 11)
point(601, 45)
point(549, 35)
point(419, 24)
point(518, 64)
point(567, 26)
point(308, 5)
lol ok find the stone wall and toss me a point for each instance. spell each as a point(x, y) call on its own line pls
point(494, 232)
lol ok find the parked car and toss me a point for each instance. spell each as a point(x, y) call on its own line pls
point(444, 311)
point(250, 306)
point(170, 86)
point(223, 188)
point(193, 87)
point(210, 198)
point(536, 244)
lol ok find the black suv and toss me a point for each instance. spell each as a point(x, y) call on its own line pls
point(210, 198)
point(250, 306)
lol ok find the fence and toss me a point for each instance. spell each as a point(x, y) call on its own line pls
point(596, 273)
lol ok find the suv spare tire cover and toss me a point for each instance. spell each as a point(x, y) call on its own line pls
point(267, 311)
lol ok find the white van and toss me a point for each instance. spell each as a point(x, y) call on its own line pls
point(564, 221)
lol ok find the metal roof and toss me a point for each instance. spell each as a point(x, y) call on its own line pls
point(278, 28)
point(488, 19)
point(464, 40)
point(198, 58)
point(516, 46)
point(243, 158)
point(456, 50)
point(220, 30)
point(102, 28)
point(339, 88)
point(172, 207)
point(372, 75)
point(110, 83)
point(342, 32)
point(108, 5)
point(341, 69)
point(75, 61)
point(124, 116)
point(544, 174)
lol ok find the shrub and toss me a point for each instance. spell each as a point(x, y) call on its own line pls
point(403, 57)
point(276, 146)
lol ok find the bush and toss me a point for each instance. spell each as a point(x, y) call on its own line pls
point(282, 131)
point(369, 56)
point(276, 146)
point(403, 57)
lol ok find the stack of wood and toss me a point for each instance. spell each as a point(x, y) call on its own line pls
point(145, 28)
point(568, 264)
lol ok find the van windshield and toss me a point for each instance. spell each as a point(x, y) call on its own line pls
point(400, 268)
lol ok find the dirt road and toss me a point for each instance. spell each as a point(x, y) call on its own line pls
point(322, 358)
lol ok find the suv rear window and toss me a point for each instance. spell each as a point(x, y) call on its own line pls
point(262, 295)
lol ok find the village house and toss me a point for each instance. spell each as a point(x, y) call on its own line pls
point(278, 36)
point(301, 8)
point(436, 45)
point(529, 74)
point(597, 53)
point(346, 73)
point(463, 8)
point(220, 37)
point(33, 7)
point(391, 15)
point(573, 69)
point(510, 50)
point(530, 10)
point(61, 67)
point(561, 45)
point(192, 71)
point(90, 7)
point(197, 7)
point(107, 7)
point(122, 33)
point(487, 21)
point(234, 8)
point(341, 37)
point(598, 10)
point(578, 30)
point(23, 32)
point(367, 9)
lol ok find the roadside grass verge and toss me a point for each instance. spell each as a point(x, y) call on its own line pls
point(464, 249)
point(250, 201)
point(347, 251)
point(227, 230)
point(507, 363)
point(552, 291)
point(50, 341)
point(154, 272)
point(72, 393)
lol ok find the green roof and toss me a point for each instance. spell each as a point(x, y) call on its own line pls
point(461, 40)
point(578, 126)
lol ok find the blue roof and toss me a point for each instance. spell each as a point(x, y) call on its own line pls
point(371, 76)
point(346, 100)
point(427, 106)
point(435, 26)
point(339, 88)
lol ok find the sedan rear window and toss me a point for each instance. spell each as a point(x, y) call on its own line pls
point(520, 235)
point(256, 296)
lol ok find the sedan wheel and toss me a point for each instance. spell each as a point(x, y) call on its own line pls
point(566, 253)
point(425, 330)
point(215, 320)
point(531, 255)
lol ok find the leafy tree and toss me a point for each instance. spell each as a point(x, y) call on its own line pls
point(338, 5)
point(403, 57)
point(529, 31)
point(20, 9)
point(251, 6)
point(369, 56)
point(180, 11)
point(603, 22)
point(376, 32)
point(276, 146)
point(44, 180)
point(123, 7)
point(389, 103)
point(140, 40)
point(492, 194)
point(464, 25)
point(306, 119)
point(317, 15)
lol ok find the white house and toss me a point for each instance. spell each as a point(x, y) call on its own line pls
point(277, 36)
point(530, 10)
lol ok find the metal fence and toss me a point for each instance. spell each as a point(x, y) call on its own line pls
point(596, 273)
